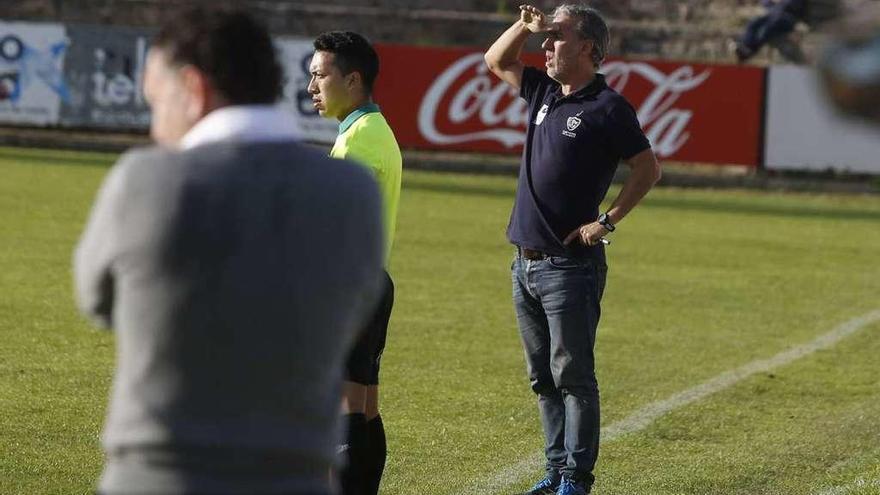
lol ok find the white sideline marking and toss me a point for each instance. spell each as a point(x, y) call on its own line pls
point(859, 483)
point(643, 417)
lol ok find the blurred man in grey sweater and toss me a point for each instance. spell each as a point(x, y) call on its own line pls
point(235, 266)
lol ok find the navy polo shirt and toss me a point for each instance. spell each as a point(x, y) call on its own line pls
point(573, 145)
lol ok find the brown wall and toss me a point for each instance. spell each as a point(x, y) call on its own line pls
point(674, 29)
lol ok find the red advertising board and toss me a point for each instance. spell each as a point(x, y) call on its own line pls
point(446, 99)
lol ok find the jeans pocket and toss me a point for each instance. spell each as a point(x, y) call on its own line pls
point(567, 263)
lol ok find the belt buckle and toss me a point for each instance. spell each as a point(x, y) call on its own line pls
point(532, 254)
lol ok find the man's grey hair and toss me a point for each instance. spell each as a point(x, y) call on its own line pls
point(591, 26)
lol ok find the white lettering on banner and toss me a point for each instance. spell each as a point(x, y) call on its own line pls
point(483, 97)
point(665, 126)
point(123, 87)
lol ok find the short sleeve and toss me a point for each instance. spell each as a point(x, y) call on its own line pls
point(624, 130)
point(531, 83)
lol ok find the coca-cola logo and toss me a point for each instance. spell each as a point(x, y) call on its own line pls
point(465, 104)
point(477, 94)
point(664, 125)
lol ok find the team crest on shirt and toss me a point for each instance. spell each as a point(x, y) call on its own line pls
point(572, 123)
point(541, 114)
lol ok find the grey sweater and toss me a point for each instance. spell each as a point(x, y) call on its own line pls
point(234, 276)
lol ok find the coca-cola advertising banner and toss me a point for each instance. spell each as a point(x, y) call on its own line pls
point(446, 99)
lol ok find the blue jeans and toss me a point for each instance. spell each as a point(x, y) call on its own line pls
point(557, 308)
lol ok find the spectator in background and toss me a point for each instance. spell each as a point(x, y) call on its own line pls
point(235, 265)
point(776, 25)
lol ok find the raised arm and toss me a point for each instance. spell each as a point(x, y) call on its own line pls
point(503, 56)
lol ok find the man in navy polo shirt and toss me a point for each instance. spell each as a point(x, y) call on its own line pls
point(579, 129)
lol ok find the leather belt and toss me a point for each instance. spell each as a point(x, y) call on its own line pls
point(531, 254)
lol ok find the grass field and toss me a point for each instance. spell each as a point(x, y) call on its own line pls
point(701, 282)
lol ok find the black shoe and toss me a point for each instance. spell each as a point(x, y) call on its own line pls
point(570, 486)
point(743, 53)
point(546, 486)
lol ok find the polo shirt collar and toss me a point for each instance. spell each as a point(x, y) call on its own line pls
point(592, 89)
point(356, 114)
point(242, 123)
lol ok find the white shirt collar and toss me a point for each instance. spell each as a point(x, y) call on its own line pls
point(242, 123)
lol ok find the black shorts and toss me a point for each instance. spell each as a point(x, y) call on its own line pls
point(363, 362)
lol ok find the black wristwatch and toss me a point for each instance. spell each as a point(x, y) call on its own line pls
point(605, 221)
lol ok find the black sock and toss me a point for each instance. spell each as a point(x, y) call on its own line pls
point(377, 452)
point(354, 455)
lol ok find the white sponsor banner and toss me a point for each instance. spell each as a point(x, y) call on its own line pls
point(805, 133)
point(32, 84)
point(295, 55)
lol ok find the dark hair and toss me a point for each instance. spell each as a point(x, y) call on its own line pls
point(353, 54)
point(230, 47)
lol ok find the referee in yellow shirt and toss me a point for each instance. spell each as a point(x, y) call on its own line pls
point(344, 68)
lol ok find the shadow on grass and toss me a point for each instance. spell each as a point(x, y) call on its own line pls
point(720, 205)
point(441, 184)
point(787, 210)
point(463, 189)
point(53, 157)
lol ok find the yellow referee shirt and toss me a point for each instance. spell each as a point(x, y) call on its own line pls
point(365, 137)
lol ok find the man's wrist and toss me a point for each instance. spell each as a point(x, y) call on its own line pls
point(606, 221)
point(523, 27)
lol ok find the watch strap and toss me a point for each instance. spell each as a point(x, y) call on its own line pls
point(606, 222)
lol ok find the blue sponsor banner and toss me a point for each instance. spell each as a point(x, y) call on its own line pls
point(32, 83)
point(104, 70)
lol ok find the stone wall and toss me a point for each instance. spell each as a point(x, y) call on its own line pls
point(674, 29)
